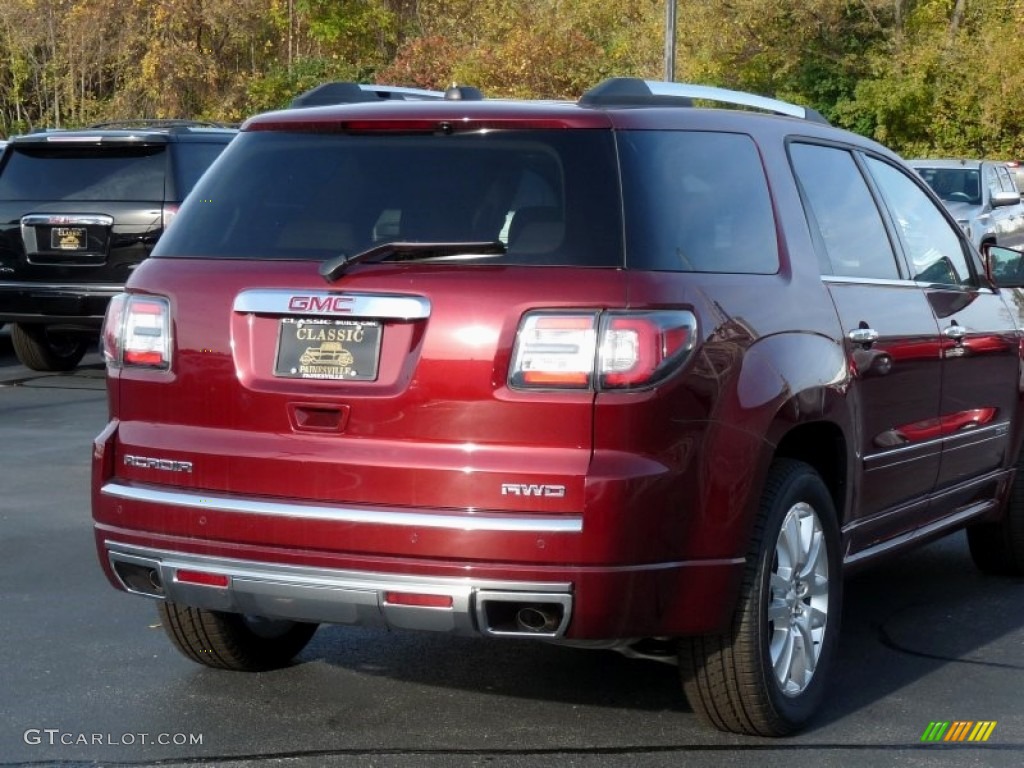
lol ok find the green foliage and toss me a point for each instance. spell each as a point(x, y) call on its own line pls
point(923, 76)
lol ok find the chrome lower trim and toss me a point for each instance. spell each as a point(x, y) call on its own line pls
point(478, 521)
point(324, 595)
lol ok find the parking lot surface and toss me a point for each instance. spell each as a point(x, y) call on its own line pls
point(88, 677)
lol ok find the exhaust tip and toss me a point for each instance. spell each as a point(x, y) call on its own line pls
point(538, 618)
point(140, 578)
point(534, 614)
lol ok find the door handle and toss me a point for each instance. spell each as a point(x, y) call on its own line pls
point(863, 335)
point(955, 332)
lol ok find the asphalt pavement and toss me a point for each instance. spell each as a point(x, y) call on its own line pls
point(87, 677)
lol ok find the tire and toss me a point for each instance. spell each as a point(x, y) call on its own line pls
point(231, 640)
point(998, 548)
point(730, 680)
point(42, 350)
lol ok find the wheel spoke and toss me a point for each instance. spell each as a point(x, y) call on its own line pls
point(806, 657)
point(788, 547)
point(815, 555)
point(782, 655)
point(778, 610)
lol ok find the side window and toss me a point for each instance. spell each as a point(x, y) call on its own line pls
point(1005, 182)
point(990, 180)
point(697, 201)
point(933, 246)
point(843, 211)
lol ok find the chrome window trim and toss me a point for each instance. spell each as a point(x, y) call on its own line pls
point(478, 521)
point(278, 302)
point(903, 283)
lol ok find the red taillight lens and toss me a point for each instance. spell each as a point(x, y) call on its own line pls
point(169, 212)
point(610, 350)
point(555, 351)
point(136, 332)
point(641, 348)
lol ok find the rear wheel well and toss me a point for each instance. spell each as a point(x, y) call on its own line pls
point(822, 446)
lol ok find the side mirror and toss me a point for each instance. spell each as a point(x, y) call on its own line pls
point(1004, 266)
point(1005, 198)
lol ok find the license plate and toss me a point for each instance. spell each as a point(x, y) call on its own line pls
point(346, 350)
point(69, 239)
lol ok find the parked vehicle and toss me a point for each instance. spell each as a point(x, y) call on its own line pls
point(79, 210)
point(624, 373)
point(982, 196)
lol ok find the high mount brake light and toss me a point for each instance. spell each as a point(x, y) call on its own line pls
point(136, 332)
point(603, 350)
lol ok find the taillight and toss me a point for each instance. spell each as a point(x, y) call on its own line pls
point(601, 350)
point(555, 351)
point(641, 348)
point(136, 332)
point(169, 212)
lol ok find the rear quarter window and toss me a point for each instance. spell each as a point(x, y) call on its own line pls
point(697, 202)
point(191, 161)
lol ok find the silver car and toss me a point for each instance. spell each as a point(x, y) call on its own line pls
point(981, 195)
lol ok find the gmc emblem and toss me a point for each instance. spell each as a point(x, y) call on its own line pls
point(320, 304)
point(529, 489)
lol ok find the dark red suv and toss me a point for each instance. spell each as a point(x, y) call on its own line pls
point(628, 372)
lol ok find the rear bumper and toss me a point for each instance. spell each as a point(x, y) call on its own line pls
point(456, 606)
point(76, 305)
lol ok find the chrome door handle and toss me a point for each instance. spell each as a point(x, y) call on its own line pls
point(863, 335)
point(955, 332)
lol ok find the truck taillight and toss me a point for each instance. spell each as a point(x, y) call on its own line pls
point(602, 350)
point(136, 332)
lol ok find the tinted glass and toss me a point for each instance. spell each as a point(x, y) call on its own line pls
point(932, 245)
point(842, 213)
point(65, 173)
point(191, 161)
point(697, 202)
point(550, 197)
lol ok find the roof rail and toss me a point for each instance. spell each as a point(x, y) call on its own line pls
point(136, 123)
point(353, 93)
point(632, 91)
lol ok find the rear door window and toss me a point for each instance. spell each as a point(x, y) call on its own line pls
point(845, 221)
point(52, 173)
point(697, 202)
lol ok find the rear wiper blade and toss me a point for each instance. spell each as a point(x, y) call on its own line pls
point(332, 269)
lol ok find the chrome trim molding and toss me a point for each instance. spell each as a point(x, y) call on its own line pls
point(480, 521)
point(337, 596)
point(67, 220)
point(332, 304)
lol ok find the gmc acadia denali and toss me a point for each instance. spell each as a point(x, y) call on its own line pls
point(633, 372)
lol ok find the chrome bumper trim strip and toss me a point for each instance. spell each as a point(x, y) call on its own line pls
point(479, 521)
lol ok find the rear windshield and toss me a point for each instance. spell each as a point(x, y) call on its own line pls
point(52, 173)
point(551, 197)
